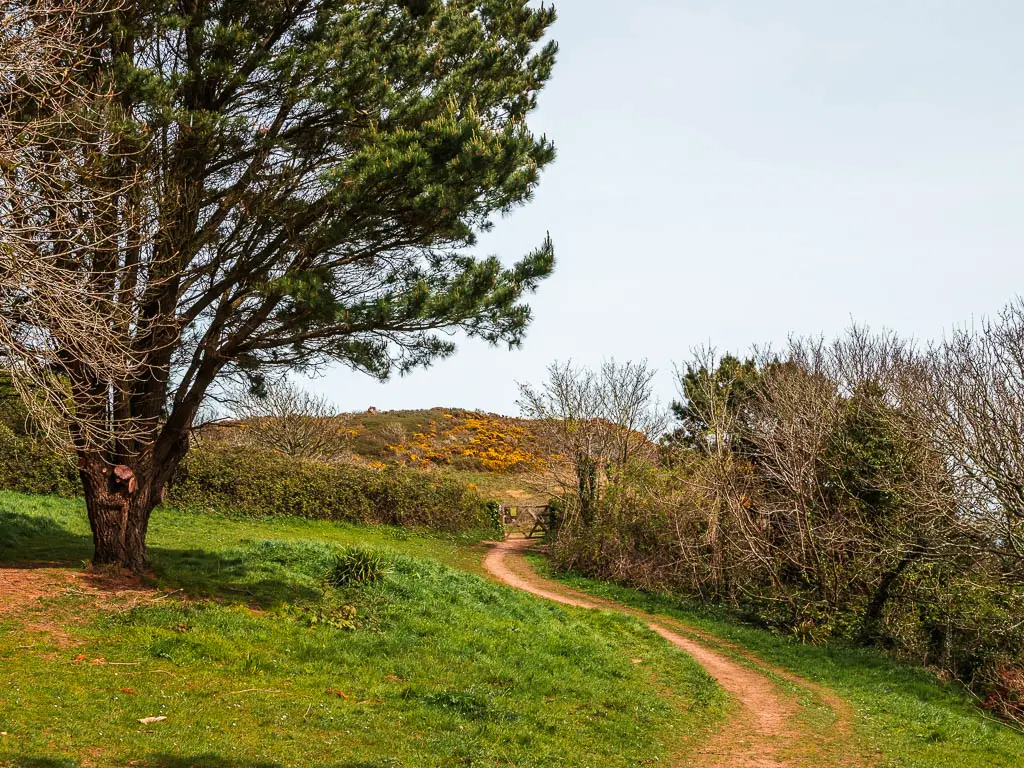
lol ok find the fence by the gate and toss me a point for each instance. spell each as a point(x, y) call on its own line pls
point(532, 521)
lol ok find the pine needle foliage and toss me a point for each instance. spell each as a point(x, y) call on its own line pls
point(308, 180)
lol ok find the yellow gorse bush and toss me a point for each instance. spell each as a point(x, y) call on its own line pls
point(485, 441)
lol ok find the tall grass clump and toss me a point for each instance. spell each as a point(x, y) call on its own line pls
point(357, 565)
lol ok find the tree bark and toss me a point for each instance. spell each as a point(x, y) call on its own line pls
point(119, 500)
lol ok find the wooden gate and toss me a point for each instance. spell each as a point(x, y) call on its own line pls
point(532, 521)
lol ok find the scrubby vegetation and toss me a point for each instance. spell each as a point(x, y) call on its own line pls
point(28, 465)
point(910, 717)
point(861, 491)
point(469, 440)
point(266, 484)
point(293, 422)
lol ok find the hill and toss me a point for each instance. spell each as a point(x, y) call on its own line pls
point(506, 458)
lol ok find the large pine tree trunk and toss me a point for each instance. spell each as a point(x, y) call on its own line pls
point(119, 526)
point(119, 500)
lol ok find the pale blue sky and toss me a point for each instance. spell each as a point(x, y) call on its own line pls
point(734, 171)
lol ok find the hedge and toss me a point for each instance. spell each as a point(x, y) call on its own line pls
point(270, 484)
point(29, 466)
point(264, 484)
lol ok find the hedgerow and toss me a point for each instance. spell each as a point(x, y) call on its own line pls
point(264, 484)
point(28, 466)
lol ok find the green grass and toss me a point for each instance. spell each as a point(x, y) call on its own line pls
point(909, 716)
point(256, 663)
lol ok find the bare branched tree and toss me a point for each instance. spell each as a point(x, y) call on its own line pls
point(290, 420)
point(713, 391)
point(567, 407)
point(631, 410)
point(598, 421)
point(974, 407)
point(68, 186)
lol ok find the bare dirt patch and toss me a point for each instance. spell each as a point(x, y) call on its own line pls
point(764, 732)
point(25, 588)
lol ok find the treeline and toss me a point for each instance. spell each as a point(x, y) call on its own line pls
point(861, 489)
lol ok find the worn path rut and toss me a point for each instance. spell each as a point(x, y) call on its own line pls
point(769, 728)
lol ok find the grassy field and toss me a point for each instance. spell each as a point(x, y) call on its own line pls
point(255, 662)
point(913, 719)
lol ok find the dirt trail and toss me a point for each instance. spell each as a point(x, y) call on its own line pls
point(766, 730)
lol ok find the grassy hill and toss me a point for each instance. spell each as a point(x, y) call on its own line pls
point(239, 640)
point(506, 458)
point(255, 661)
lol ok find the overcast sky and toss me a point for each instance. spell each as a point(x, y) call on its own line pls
point(735, 171)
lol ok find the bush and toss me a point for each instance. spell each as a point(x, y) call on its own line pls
point(496, 518)
point(954, 617)
point(29, 466)
point(270, 484)
point(264, 484)
point(357, 565)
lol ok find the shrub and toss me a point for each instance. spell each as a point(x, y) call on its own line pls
point(270, 484)
point(496, 518)
point(357, 565)
point(264, 484)
point(29, 466)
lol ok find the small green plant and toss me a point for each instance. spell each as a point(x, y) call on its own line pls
point(494, 516)
point(357, 565)
point(325, 614)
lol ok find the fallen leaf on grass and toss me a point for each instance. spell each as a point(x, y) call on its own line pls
point(78, 658)
point(148, 720)
point(393, 679)
point(336, 692)
point(127, 690)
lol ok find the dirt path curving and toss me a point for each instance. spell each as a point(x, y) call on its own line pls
point(766, 730)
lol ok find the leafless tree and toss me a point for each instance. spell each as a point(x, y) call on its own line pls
point(567, 408)
point(630, 409)
point(290, 420)
point(974, 407)
point(598, 421)
point(797, 413)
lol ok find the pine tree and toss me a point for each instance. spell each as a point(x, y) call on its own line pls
point(305, 182)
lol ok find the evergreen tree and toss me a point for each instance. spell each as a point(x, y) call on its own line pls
point(305, 181)
point(706, 391)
